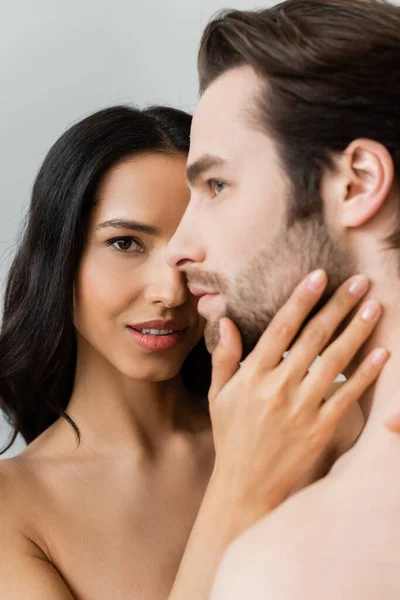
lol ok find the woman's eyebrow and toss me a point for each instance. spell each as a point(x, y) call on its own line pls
point(127, 224)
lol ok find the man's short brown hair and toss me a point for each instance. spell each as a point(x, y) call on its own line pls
point(332, 73)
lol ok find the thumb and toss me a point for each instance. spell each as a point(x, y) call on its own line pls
point(392, 423)
point(226, 356)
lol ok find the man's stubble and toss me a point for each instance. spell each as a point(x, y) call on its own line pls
point(257, 293)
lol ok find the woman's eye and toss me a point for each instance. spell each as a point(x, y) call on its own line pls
point(217, 186)
point(126, 244)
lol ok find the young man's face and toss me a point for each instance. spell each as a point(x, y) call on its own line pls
point(233, 241)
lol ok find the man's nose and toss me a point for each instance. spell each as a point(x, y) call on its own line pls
point(185, 247)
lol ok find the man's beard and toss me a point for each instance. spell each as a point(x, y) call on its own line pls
point(257, 293)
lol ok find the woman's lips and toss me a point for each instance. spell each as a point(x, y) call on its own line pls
point(156, 343)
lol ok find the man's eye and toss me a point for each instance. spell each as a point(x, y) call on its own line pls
point(216, 186)
point(125, 244)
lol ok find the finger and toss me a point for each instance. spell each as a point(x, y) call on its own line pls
point(226, 356)
point(392, 423)
point(351, 391)
point(286, 323)
point(321, 328)
point(341, 352)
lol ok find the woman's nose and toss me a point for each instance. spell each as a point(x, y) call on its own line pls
point(168, 288)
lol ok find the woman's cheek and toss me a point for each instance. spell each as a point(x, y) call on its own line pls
point(104, 286)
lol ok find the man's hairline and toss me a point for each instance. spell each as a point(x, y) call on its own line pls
point(252, 116)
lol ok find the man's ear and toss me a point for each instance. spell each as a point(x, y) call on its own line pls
point(370, 178)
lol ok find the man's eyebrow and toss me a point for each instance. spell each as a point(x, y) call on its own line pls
point(202, 164)
point(132, 225)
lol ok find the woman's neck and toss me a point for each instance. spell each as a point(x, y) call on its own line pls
point(116, 412)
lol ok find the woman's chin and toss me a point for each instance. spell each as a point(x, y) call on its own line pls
point(153, 373)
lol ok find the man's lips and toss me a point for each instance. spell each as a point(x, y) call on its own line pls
point(199, 291)
point(206, 299)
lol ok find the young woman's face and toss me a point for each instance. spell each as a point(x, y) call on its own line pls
point(131, 308)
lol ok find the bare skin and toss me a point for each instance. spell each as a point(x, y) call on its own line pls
point(145, 499)
point(111, 518)
point(114, 524)
point(275, 396)
point(85, 522)
point(350, 548)
point(340, 537)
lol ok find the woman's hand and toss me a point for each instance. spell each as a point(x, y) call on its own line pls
point(269, 417)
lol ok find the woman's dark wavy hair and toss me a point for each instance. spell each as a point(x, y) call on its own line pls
point(37, 339)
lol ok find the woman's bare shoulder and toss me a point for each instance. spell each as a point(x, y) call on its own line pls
point(13, 472)
point(24, 490)
point(17, 532)
point(16, 490)
point(20, 549)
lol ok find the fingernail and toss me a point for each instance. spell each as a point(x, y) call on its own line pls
point(371, 311)
point(316, 281)
point(358, 285)
point(379, 356)
point(223, 334)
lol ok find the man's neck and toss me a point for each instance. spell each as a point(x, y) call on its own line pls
point(383, 398)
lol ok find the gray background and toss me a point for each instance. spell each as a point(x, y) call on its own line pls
point(62, 59)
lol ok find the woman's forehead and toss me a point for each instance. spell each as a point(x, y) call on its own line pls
point(149, 188)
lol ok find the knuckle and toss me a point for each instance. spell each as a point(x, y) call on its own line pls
point(349, 393)
point(317, 333)
point(280, 394)
point(251, 372)
point(217, 364)
point(270, 394)
point(333, 363)
point(346, 397)
point(283, 380)
point(316, 439)
point(297, 419)
point(365, 372)
point(282, 329)
point(219, 358)
point(344, 299)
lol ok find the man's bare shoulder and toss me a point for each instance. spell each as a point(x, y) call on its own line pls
point(264, 561)
point(338, 538)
